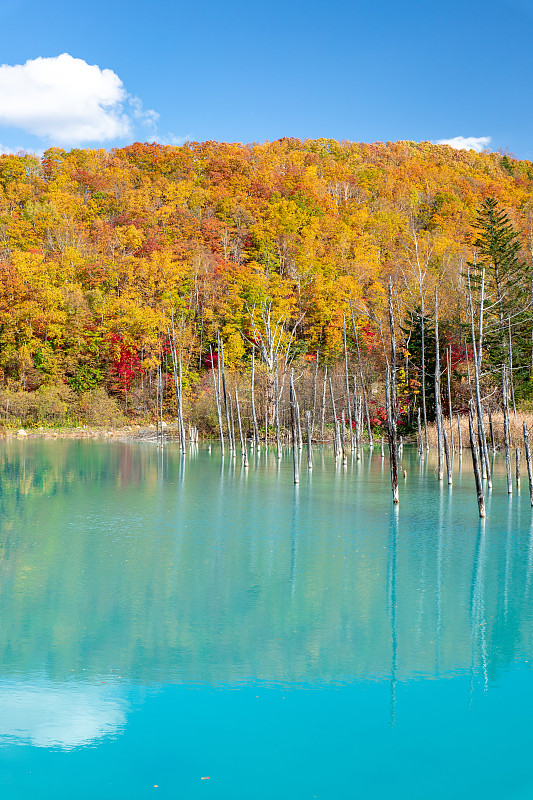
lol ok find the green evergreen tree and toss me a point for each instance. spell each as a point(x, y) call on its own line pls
point(507, 280)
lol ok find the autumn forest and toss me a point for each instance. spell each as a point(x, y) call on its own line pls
point(113, 262)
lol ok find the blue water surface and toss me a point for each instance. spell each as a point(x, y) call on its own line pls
point(181, 627)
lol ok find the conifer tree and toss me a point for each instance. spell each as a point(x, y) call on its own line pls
point(505, 278)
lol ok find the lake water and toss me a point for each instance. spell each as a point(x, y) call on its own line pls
point(182, 628)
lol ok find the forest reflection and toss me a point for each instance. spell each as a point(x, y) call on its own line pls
point(117, 559)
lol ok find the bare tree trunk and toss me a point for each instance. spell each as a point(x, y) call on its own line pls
point(517, 454)
point(448, 372)
point(231, 443)
point(217, 400)
point(323, 415)
point(177, 384)
point(244, 451)
point(363, 388)
point(230, 406)
point(157, 390)
point(475, 463)
point(343, 438)
point(477, 378)
point(357, 432)
point(347, 381)
point(506, 430)
point(180, 421)
point(422, 330)
point(459, 434)
point(252, 398)
point(511, 369)
point(309, 456)
point(298, 425)
point(276, 410)
point(391, 404)
point(295, 453)
point(447, 454)
point(491, 426)
point(438, 409)
point(420, 444)
point(528, 461)
point(314, 393)
point(335, 425)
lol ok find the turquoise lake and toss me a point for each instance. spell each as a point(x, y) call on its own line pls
point(179, 627)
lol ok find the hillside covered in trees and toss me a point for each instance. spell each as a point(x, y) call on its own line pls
point(101, 250)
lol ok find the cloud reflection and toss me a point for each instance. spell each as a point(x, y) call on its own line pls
point(60, 715)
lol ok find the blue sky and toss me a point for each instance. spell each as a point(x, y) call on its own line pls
point(244, 71)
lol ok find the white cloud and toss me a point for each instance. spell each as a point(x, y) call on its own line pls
point(170, 138)
point(67, 101)
point(477, 143)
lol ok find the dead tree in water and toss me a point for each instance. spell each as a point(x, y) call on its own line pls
point(363, 388)
point(230, 406)
point(448, 374)
point(323, 411)
point(298, 425)
point(475, 463)
point(244, 451)
point(438, 407)
point(227, 400)
point(356, 427)
point(335, 423)
point(343, 438)
point(491, 427)
point(528, 461)
point(217, 400)
point(347, 381)
point(447, 454)
point(295, 452)
point(257, 440)
point(176, 368)
point(274, 344)
point(390, 387)
point(309, 457)
point(314, 394)
point(276, 409)
point(506, 437)
point(478, 350)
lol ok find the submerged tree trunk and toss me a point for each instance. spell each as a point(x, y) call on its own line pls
point(363, 388)
point(477, 348)
point(309, 451)
point(506, 436)
point(252, 399)
point(392, 404)
point(323, 414)
point(475, 463)
point(448, 456)
point(528, 461)
point(348, 403)
point(448, 374)
point(335, 425)
point(244, 451)
point(357, 433)
point(217, 400)
point(295, 452)
point(438, 408)
point(276, 409)
point(314, 394)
